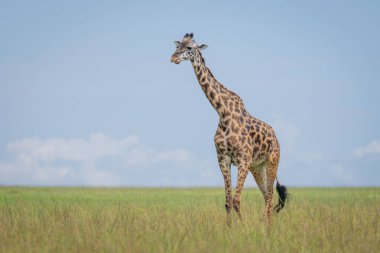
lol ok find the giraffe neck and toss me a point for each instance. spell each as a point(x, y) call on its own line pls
point(218, 95)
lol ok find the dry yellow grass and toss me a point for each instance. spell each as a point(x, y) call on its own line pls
point(185, 220)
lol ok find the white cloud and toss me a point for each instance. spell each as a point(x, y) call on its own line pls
point(372, 148)
point(97, 146)
point(101, 160)
point(306, 167)
point(97, 160)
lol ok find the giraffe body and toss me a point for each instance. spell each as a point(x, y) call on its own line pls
point(241, 139)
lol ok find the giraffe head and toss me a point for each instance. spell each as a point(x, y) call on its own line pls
point(186, 49)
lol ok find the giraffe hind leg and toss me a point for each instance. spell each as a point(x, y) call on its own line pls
point(264, 178)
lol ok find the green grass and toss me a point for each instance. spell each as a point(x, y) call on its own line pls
point(185, 220)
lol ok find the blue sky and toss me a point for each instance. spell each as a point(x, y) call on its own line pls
point(88, 95)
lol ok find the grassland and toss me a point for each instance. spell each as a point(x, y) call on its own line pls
point(185, 220)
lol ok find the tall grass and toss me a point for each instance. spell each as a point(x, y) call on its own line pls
point(185, 220)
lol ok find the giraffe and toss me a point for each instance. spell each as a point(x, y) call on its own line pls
point(240, 139)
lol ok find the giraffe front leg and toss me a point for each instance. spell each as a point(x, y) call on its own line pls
point(228, 190)
point(225, 168)
point(242, 175)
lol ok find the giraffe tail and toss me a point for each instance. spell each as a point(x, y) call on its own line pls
point(282, 191)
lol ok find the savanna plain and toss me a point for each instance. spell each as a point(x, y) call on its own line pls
point(185, 220)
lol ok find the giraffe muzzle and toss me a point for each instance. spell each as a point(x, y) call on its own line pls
point(176, 60)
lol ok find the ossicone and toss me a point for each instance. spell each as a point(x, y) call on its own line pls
point(191, 35)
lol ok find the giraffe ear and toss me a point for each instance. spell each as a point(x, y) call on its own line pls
point(176, 43)
point(202, 46)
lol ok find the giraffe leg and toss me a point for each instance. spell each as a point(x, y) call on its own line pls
point(259, 173)
point(225, 167)
point(269, 205)
point(271, 172)
point(242, 175)
point(265, 175)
